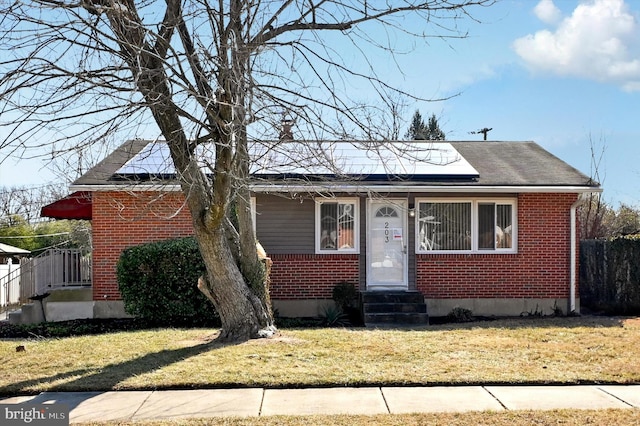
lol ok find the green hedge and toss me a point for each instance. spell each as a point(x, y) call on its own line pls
point(158, 282)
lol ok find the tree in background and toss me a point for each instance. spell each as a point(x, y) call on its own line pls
point(21, 225)
point(418, 130)
point(595, 210)
point(39, 236)
point(609, 221)
point(208, 78)
point(624, 221)
point(598, 219)
point(434, 133)
point(594, 215)
point(17, 232)
point(25, 202)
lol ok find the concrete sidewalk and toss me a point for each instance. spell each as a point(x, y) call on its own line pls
point(141, 405)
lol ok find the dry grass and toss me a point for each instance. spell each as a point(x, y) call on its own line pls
point(511, 418)
point(540, 350)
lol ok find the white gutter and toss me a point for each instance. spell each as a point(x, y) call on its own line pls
point(155, 187)
point(422, 188)
point(328, 187)
point(574, 251)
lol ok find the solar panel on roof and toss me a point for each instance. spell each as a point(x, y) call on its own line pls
point(361, 159)
point(415, 158)
point(153, 159)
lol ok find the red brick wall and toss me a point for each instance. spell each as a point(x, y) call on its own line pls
point(308, 276)
point(540, 269)
point(122, 220)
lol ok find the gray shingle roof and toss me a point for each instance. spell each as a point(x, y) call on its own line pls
point(519, 163)
point(101, 173)
point(496, 163)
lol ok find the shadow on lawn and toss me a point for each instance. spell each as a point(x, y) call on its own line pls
point(514, 323)
point(108, 377)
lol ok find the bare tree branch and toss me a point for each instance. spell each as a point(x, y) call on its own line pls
point(209, 76)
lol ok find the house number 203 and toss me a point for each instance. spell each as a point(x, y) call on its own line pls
point(386, 232)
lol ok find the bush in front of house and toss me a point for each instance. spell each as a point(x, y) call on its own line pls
point(158, 282)
point(460, 314)
point(345, 295)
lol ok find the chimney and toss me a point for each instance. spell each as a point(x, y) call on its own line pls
point(286, 133)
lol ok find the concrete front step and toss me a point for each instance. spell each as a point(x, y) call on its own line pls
point(392, 297)
point(30, 313)
point(15, 317)
point(391, 308)
point(373, 308)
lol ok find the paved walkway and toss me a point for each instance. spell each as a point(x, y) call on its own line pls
point(139, 405)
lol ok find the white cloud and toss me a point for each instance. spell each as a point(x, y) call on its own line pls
point(599, 41)
point(547, 12)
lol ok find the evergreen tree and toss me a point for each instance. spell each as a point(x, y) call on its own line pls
point(418, 130)
point(434, 133)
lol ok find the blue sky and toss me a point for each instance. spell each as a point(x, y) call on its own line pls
point(563, 73)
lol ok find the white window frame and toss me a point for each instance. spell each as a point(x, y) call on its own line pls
point(356, 225)
point(254, 210)
point(475, 202)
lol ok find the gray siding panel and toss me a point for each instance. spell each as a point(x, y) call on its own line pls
point(411, 246)
point(285, 226)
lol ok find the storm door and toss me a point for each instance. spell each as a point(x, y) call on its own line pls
point(387, 244)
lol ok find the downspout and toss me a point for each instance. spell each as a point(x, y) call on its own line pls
point(573, 252)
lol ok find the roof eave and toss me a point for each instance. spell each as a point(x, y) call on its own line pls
point(354, 188)
point(265, 188)
point(128, 187)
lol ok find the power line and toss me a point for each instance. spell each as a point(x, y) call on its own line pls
point(28, 188)
point(35, 236)
point(51, 247)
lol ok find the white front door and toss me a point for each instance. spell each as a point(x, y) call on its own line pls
point(387, 244)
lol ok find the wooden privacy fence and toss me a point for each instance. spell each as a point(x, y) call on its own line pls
point(610, 275)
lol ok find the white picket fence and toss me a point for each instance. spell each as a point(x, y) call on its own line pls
point(9, 285)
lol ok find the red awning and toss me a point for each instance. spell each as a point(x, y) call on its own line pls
point(73, 206)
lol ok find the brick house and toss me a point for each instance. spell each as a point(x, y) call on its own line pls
point(488, 226)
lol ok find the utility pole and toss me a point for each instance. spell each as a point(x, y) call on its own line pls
point(483, 131)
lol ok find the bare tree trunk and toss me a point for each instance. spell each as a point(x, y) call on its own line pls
point(254, 269)
point(242, 313)
point(233, 289)
point(255, 272)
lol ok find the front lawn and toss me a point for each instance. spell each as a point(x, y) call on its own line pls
point(526, 350)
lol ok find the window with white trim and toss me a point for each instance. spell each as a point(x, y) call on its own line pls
point(337, 224)
point(254, 209)
point(467, 225)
